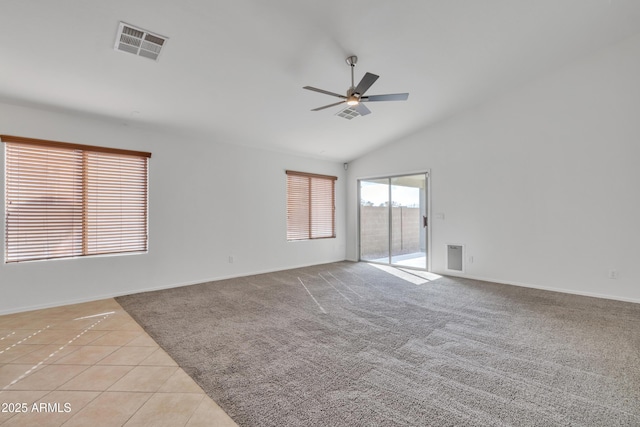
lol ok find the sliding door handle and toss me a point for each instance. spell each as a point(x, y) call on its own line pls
point(424, 221)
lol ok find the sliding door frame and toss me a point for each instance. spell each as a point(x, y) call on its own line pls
point(427, 174)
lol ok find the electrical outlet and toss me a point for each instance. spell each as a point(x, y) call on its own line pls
point(470, 260)
point(613, 274)
point(230, 259)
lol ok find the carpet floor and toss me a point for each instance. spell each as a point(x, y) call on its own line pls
point(349, 344)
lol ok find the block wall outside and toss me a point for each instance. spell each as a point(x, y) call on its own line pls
point(374, 231)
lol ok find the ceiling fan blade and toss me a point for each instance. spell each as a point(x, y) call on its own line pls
point(326, 92)
point(389, 97)
point(327, 106)
point(365, 83)
point(362, 109)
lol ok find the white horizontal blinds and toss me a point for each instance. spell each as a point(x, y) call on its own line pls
point(65, 200)
point(116, 203)
point(298, 212)
point(310, 206)
point(43, 202)
point(322, 208)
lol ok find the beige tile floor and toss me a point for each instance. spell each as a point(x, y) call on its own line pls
point(92, 365)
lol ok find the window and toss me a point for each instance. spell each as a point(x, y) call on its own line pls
point(310, 206)
point(67, 200)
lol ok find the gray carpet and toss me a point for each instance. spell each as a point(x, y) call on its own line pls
point(346, 344)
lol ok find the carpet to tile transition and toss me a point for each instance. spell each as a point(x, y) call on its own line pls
point(347, 344)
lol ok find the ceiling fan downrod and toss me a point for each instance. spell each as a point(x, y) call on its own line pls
point(352, 61)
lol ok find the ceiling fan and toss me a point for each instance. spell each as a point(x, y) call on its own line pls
point(355, 94)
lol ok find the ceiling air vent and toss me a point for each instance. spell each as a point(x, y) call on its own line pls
point(139, 42)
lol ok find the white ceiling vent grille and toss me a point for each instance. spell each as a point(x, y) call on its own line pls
point(139, 42)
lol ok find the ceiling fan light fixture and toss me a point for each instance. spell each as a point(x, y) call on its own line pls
point(353, 100)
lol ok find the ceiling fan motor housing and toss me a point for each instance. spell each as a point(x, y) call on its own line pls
point(352, 97)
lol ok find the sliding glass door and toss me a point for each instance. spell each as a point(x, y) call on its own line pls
point(393, 220)
point(374, 220)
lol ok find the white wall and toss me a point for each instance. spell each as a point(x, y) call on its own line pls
point(208, 200)
point(542, 184)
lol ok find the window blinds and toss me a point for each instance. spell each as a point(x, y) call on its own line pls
point(66, 200)
point(310, 206)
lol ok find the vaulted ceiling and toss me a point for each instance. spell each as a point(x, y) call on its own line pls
point(232, 71)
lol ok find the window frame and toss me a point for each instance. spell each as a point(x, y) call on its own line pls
point(312, 222)
point(97, 179)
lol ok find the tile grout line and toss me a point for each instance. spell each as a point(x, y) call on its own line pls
point(151, 394)
point(24, 339)
point(204, 395)
point(100, 394)
point(51, 391)
point(33, 368)
point(141, 406)
point(7, 336)
point(78, 416)
point(85, 405)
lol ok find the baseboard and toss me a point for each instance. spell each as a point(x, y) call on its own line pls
point(265, 271)
point(218, 278)
point(156, 288)
point(54, 304)
point(543, 288)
